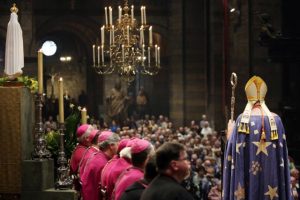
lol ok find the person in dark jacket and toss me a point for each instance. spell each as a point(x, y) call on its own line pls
point(134, 191)
point(173, 167)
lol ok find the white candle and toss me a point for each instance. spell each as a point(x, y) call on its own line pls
point(132, 14)
point(40, 71)
point(98, 57)
point(106, 22)
point(123, 53)
point(120, 14)
point(149, 55)
point(145, 21)
point(142, 16)
point(61, 100)
point(94, 55)
point(128, 37)
point(110, 15)
point(102, 53)
point(143, 54)
point(83, 116)
point(158, 55)
point(150, 36)
point(143, 40)
point(155, 55)
point(141, 43)
point(102, 35)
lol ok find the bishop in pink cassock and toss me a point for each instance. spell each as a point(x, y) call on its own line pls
point(140, 151)
point(91, 176)
point(115, 167)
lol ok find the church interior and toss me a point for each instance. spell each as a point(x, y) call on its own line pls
point(200, 44)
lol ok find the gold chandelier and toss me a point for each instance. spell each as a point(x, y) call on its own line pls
point(126, 46)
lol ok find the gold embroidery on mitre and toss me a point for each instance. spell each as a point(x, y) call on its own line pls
point(256, 89)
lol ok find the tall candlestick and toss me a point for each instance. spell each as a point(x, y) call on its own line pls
point(150, 36)
point(102, 35)
point(83, 116)
point(106, 21)
point(98, 55)
point(40, 71)
point(94, 56)
point(61, 100)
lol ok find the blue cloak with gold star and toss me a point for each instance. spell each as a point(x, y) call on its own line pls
point(256, 169)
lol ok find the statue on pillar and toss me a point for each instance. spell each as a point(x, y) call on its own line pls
point(14, 51)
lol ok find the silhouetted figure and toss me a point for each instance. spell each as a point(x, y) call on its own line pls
point(83, 99)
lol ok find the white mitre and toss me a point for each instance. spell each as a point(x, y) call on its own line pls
point(14, 50)
point(256, 90)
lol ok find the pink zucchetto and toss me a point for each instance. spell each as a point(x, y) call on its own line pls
point(104, 135)
point(93, 134)
point(84, 129)
point(122, 144)
point(138, 145)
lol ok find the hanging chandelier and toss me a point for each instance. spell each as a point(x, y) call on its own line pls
point(126, 46)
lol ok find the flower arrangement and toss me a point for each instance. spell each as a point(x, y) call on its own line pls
point(29, 82)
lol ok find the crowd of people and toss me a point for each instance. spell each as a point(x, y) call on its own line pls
point(100, 150)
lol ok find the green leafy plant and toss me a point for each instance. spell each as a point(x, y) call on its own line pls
point(53, 138)
point(29, 82)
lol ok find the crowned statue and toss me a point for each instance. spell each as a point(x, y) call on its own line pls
point(14, 51)
point(256, 162)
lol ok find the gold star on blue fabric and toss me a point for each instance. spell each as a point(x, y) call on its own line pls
point(262, 146)
point(272, 192)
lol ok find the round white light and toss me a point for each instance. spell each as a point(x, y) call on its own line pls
point(49, 48)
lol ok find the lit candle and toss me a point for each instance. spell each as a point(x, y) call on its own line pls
point(155, 55)
point(158, 55)
point(98, 57)
point(83, 116)
point(123, 53)
point(94, 55)
point(149, 55)
point(110, 15)
point(150, 36)
point(132, 14)
point(106, 22)
point(61, 100)
point(102, 53)
point(128, 37)
point(142, 16)
point(102, 35)
point(40, 71)
point(144, 12)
